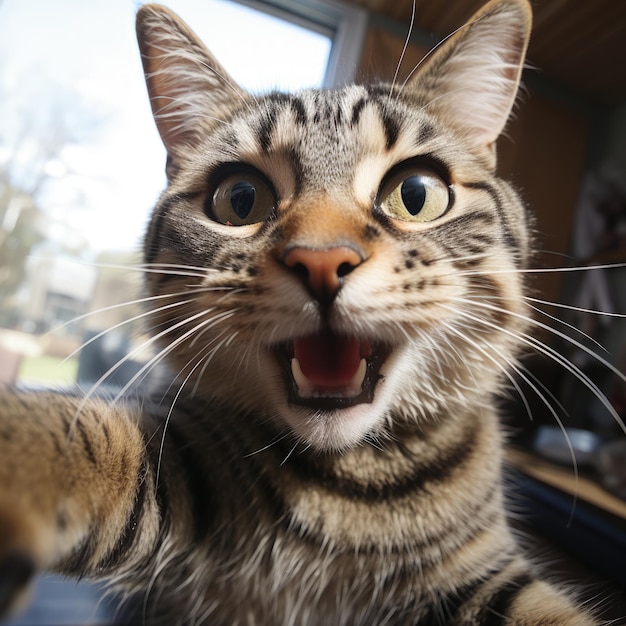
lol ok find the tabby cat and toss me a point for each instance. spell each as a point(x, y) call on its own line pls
point(333, 283)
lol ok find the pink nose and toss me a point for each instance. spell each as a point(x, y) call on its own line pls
point(323, 271)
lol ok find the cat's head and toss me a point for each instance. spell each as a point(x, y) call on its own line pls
point(338, 260)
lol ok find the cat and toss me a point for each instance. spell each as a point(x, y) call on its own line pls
point(333, 281)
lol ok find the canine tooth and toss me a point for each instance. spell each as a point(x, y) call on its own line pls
point(356, 384)
point(305, 388)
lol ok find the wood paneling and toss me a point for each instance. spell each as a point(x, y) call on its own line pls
point(579, 44)
point(381, 54)
point(543, 153)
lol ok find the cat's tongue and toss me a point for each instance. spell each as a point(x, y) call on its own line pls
point(325, 362)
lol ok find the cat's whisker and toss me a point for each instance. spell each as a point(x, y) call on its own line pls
point(579, 374)
point(568, 325)
point(231, 293)
point(201, 269)
point(169, 414)
point(280, 437)
point(172, 346)
point(156, 268)
point(537, 345)
point(200, 361)
point(212, 352)
point(131, 354)
point(241, 358)
point(543, 270)
point(192, 289)
point(142, 315)
point(404, 49)
point(430, 52)
point(291, 451)
point(570, 307)
point(218, 318)
point(448, 357)
point(374, 440)
point(559, 334)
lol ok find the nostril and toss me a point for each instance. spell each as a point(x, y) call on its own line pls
point(344, 269)
point(301, 271)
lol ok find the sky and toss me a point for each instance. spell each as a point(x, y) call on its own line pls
point(73, 66)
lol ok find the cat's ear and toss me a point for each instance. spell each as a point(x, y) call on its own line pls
point(473, 76)
point(188, 88)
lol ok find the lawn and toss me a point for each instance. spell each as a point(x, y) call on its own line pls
point(47, 370)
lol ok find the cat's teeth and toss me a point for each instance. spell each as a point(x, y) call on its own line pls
point(356, 384)
point(306, 389)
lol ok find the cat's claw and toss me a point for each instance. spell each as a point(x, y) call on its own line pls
point(17, 569)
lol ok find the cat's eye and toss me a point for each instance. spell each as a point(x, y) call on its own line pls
point(241, 198)
point(415, 194)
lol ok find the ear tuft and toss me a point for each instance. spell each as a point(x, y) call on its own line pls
point(473, 77)
point(186, 85)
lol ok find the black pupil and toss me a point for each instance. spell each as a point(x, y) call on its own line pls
point(242, 197)
point(413, 193)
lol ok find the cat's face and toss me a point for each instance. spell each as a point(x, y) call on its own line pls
point(338, 260)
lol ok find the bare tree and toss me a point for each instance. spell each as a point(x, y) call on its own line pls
point(37, 125)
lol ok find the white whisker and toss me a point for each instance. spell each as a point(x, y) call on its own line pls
point(554, 355)
point(274, 441)
point(430, 53)
point(207, 359)
point(135, 318)
point(559, 334)
point(568, 325)
point(128, 357)
point(170, 412)
point(404, 48)
point(577, 309)
point(295, 445)
point(159, 357)
point(544, 270)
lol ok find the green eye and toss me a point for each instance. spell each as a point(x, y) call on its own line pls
point(415, 195)
point(240, 199)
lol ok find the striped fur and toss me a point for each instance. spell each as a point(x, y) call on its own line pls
point(228, 492)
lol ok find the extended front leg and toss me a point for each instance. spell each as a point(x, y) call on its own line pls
point(70, 477)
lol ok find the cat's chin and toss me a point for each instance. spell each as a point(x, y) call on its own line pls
point(333, 430)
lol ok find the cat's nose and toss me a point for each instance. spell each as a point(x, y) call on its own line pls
point(323, 270)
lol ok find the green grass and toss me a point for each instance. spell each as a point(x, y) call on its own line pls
point(48, 370)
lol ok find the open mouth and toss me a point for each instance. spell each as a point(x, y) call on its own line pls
point(329, 371)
